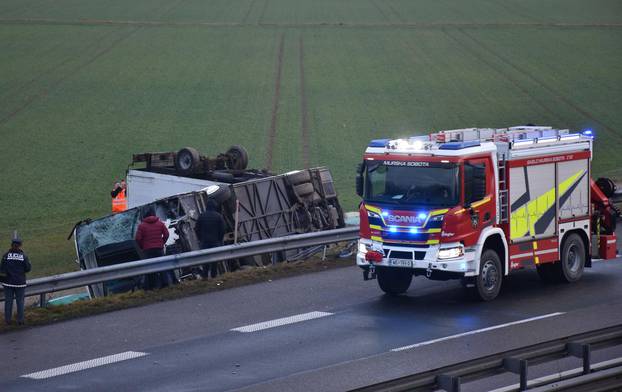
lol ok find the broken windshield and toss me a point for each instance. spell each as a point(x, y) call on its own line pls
point(412, 182)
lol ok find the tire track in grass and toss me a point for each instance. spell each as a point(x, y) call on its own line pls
point(68, 59)
point(43, 93)
point(304, 117)
point(248, 12)
point(540, 83)
point(380, 25)
point(263, 12)
point(516, 83)
point(278, 72)
point(380, 11)
point(394, 11)
point(80, 67)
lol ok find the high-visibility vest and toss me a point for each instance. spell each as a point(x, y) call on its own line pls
point(119, 203)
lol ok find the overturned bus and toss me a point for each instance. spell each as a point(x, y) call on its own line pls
point(258, 206)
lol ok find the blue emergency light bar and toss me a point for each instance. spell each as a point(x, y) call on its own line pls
point(378, 143)
point(458, 145)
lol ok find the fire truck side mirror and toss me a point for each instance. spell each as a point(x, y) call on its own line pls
point(359, 179)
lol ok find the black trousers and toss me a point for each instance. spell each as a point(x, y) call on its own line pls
point(157, 280)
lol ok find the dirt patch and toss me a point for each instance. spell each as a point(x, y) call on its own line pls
point(53, 314)
point(278, 71)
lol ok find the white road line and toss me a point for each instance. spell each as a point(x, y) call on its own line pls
point(282, 321)
point(476, 331)
point(76, 367)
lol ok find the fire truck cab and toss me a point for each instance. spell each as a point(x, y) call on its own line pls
point(476, 204)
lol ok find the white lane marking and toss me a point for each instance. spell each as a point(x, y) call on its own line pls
point(76, 367)
point(557, 376)
point(476, 331)
point(282, 321)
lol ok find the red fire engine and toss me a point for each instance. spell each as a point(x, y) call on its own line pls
point(477, 204)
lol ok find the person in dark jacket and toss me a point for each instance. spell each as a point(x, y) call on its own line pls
point(151, 237)
point(210, 229)
point(14, 265)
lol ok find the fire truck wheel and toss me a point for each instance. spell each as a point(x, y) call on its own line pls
point(488, 282)
point(573, 259)
point(186, 161)
point(394, 281)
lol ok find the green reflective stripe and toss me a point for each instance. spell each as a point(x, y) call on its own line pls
point(536, 208)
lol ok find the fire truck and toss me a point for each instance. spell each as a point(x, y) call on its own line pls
point(477, 204)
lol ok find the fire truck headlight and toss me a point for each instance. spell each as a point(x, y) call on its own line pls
point(362, 248)
point(450, 253)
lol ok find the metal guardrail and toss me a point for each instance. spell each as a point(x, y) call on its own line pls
point(517, 361)
point(71, 280)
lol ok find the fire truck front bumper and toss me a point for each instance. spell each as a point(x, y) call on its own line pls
point(451, 259)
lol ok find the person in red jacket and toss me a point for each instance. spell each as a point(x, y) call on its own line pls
point(151, 237)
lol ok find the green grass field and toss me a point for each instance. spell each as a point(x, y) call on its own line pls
point(86, 83)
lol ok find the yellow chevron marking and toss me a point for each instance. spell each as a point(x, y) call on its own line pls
point(373, 209)
point(439, 212)
point(375, 227)
point(374, 238)
point(535, 208)
point(481, 202)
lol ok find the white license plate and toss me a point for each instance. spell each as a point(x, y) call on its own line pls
point(400, 262)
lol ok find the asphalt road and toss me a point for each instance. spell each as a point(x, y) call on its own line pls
point(345, 332)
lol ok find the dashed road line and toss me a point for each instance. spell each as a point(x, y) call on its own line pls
point(282, 321)
point(428, 342)
point(92, 363)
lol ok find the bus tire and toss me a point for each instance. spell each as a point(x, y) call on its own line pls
point(488, 282)
point(394, 281)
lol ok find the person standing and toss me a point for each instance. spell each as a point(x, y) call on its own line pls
point(14, 265)
point(151, 236)
point(210, 229)
point(119, 197)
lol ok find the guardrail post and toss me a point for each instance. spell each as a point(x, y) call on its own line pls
point(582, 351)
point(42, 301)
point(448, 383)
point(517, 366)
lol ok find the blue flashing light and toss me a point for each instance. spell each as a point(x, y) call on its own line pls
point(385, 213)
point(378, 143)
point(588, 133)
point(393, 229)
point(458, 145)
point(422, 215)
point(413, 230)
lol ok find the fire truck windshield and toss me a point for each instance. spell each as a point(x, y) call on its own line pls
point(408, 182)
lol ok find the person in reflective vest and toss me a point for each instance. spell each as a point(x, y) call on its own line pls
point(119, 199)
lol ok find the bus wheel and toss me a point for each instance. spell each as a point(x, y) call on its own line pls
point(570, 267)
point(488, 282)
point(394, 281)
